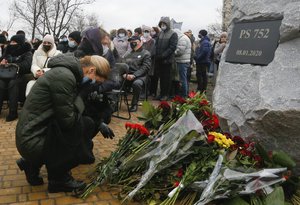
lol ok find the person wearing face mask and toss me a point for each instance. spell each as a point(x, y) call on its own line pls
point(41, 57)
point(139, 62)
point(63, 44)
point(166, 45)
point(18, 52)
point(202, 58)
point(74, 40)
point(149, 45)
point(52, 130)
point(121, 43)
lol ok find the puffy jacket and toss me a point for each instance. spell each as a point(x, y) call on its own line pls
point(53, 97)
point(40, 57)
point(203, 51)
point(184, 48)
point(22, 57)
point(166, 43)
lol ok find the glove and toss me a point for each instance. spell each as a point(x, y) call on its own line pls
point(106, 131)
point(85, 89)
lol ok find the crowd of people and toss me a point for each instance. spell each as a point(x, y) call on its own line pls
point(57, 78)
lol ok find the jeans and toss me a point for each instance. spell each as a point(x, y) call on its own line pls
point(183, 69)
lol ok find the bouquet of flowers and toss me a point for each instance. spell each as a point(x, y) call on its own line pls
point(180, 155)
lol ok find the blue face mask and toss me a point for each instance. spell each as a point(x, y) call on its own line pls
point(72, 44)
point(86, 79)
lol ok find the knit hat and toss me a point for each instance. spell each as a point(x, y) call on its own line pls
point(2, 39)
point(19, 39)
point(76, 36)
point(146, 28)
point(203, 32)
point(134, 38)
point(49, 39)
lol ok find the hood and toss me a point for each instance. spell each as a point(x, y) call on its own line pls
point(179, 33)
point(166, 20)
point(205, 38)
point(68, 61)
point(20, 50)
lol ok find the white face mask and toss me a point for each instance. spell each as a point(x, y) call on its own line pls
point(121, 35)
point(72, 44)
point(146, 35)
point(105, 50)
point(163, 27)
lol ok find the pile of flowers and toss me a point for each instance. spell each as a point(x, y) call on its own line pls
point(181, 156)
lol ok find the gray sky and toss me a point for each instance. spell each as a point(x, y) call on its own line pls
point(195, 14)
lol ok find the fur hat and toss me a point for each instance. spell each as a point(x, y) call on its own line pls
point(146, 28)
point(19, 39)
point(203, 32)
point(49, 39)
point(76, 36)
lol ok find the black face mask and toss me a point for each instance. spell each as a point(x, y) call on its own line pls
point(14, 50)
point(133, 45)
point(46, 48)
point(200, 36)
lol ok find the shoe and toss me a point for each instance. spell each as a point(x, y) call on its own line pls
point(68, 184)
point(32, 173)
point(133, 108)
point(11, 117)
point(164, 98)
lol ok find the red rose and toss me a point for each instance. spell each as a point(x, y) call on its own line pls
point(206, 113)
point(144, 131)
point(216, 121)
point(164, 105)
point(179, 173)
point(257, 158)
point(192, 94)
point(238, 140)
point(128, 125)
point(210, 139)
point(203, 102)
point(178, 99)
point(176, 184)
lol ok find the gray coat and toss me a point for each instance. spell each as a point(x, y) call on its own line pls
point(183, 50)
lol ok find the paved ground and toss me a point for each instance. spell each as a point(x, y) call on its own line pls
point(15, 190)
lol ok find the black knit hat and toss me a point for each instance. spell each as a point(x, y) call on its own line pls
point(2, 39)
point(76, 36)
point(203, 32)
point(19, 38)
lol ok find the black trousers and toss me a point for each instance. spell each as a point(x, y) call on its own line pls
point(165, 78)
point(65, 150)
point(201, 70)
point(10, 88)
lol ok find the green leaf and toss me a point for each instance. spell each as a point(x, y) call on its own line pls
point(283, 159)
point(276, 197)
point(236, 201)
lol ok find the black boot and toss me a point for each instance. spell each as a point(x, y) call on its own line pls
point(65, 184)
point(11, 116)
point(32, 173)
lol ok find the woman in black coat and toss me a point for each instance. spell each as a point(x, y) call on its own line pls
point(18, 52)
point(51, 129)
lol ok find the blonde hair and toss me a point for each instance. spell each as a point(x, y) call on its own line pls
point(101, 64)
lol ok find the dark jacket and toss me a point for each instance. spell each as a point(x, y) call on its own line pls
point(139, 62)
point(22, 56)
point(202, 55)
point(166, 43)
point(53, 97)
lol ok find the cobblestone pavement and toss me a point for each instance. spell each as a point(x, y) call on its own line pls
point(15, 190)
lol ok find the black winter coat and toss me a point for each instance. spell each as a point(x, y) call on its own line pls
point(52, 98)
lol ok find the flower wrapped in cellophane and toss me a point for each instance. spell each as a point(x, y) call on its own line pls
point(180, 156)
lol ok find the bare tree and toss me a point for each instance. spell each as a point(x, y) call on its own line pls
point(44, 16)
point(30, 11)
point(60, 13)
point(216, 28)
point(92, 20)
